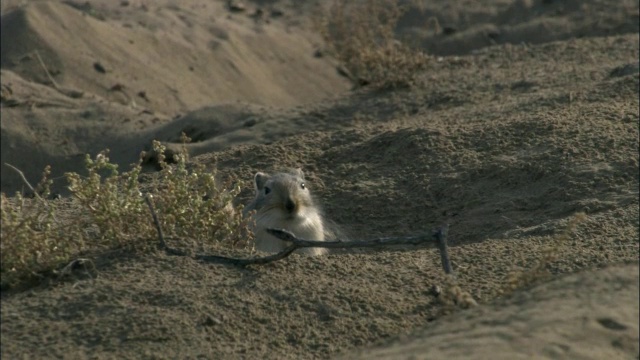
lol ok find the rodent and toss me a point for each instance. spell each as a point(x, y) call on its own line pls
point(284, 201)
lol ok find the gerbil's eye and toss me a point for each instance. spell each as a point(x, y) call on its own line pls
point(302, 185)
point(267, 190)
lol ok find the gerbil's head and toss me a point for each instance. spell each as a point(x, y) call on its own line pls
point(284, 192)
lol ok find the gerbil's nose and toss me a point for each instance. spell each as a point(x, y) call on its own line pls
point(290, 205)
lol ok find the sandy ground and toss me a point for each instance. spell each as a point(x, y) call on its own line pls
point(527, 114)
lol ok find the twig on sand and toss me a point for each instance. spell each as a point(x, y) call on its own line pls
point(440, 236)
point(252, 261)
point(384, 241)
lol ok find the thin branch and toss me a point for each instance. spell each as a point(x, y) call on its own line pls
point(384, 241)
point(441, 236)
point(163, 243)
point(24, 179)
point(296, 243)
point(44, 201)
point(55, 84)
point(147, 199)
point(75, 264)
point(252, 261)
point(68, 92)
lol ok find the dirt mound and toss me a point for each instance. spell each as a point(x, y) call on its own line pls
point(505, 143)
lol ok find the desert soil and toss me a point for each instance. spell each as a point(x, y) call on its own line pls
point(527, 114)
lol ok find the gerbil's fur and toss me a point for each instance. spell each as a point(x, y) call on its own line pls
point(283, 201)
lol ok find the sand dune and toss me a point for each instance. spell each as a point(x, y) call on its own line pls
point(526, 114)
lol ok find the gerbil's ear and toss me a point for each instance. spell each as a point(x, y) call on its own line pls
point(261, 179)
point(299, 173)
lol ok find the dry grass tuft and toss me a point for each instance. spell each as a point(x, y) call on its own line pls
point(452, 296)
point(361, 35)
point(524, 278)
point(39, 237)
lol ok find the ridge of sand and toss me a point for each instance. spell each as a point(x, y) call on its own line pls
point(204, 57)
point(444, 30)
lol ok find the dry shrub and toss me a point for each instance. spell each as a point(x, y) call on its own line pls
point(192, 203)
point(361, 35)
point(189, 200)
point(32, 238)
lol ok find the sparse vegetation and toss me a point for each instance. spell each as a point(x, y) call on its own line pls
point(452, 296)
point(521, 278)
point(361, 35)
point(110, 212)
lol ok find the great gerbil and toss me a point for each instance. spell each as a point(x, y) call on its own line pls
point(283, 201)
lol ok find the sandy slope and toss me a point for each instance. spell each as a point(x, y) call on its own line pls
point(505, 143)
point(180, 57)
point(571, 317)
point(156, 61)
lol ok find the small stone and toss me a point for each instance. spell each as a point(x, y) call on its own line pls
point(236, 6)
point(99, 68)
